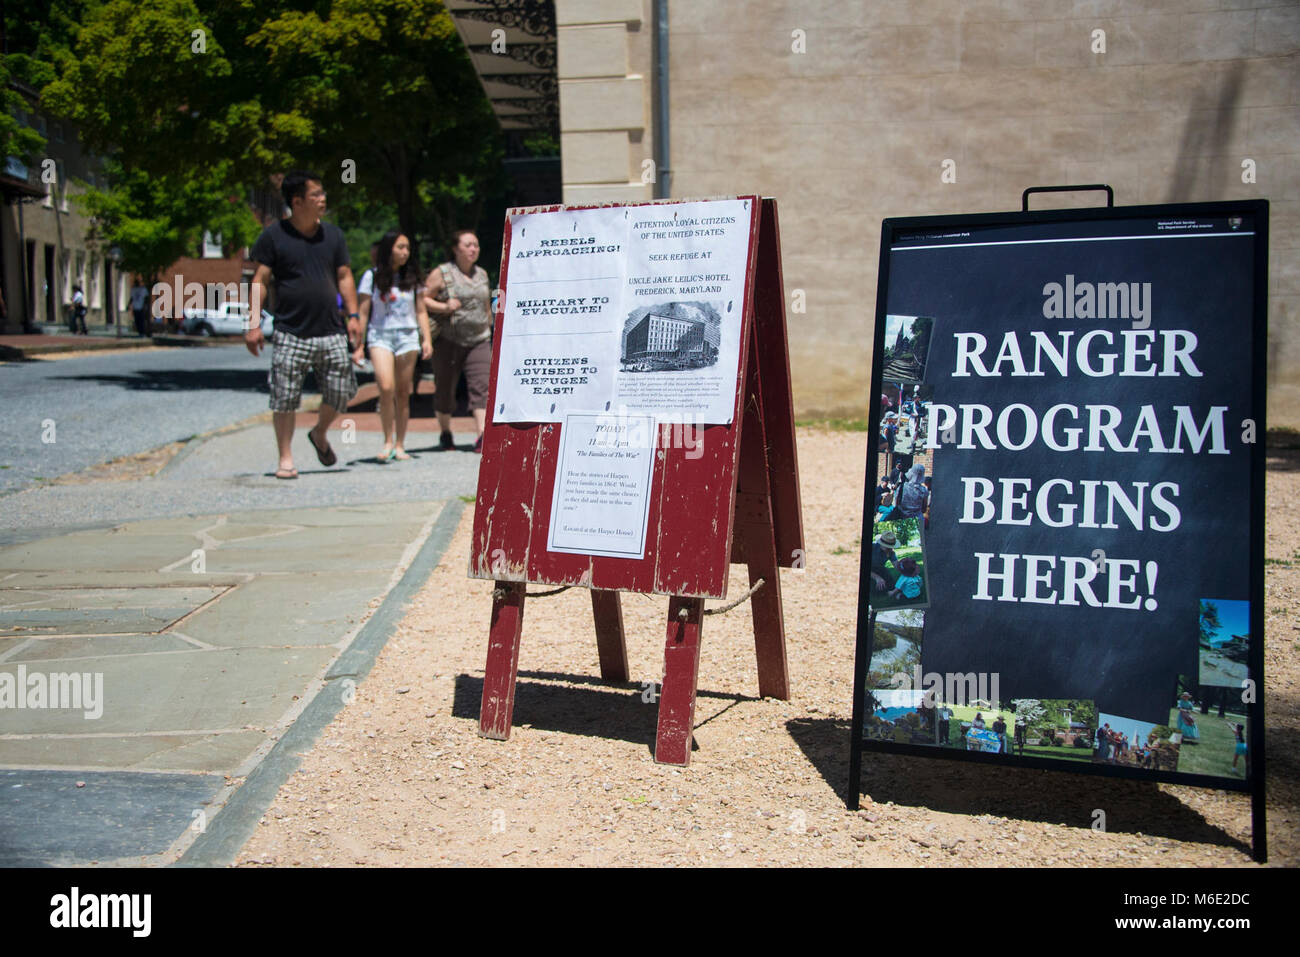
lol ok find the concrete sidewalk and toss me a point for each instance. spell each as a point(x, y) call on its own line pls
point(234, 471)
point(18, 346)
point(196, 614)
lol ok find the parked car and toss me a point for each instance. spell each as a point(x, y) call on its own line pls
point(228, 319)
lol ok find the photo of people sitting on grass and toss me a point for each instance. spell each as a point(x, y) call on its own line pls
point(1130, 743)
point(1210, 724)
point(976, 726)
point(916, 716)
point(898, 566)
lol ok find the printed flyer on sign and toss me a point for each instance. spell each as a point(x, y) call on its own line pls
point(625, 308)
point(559, 344)
point(680, 352)
point(602, 485)
point(1060, 548)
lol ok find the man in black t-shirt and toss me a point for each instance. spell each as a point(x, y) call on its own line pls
point(308, 261)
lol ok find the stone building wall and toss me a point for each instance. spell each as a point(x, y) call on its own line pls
point(846, 112)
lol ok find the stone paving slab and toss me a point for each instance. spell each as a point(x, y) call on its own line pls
point(73, 648)
point(229, 688)
point(108, 578)
point(46, 820)
point(305, 609)
point(222, 752)
point(98, 610)
point(128, 658)
point(90, 551)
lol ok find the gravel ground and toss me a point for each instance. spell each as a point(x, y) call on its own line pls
point(402, 778)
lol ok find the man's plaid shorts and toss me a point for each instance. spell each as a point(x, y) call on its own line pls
point(327, 356)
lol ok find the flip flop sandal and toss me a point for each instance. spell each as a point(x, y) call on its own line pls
point(286, 473)
point(400, 456)
point(325, 456)
point(383, 458)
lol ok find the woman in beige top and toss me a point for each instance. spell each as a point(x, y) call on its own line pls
point(458, 297)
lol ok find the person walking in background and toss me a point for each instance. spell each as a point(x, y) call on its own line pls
point(394, 323)
point(78, 319)
point(140, 307)
point(308, 261)
point(457, 295)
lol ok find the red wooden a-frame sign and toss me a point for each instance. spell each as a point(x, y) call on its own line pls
point(737, 502)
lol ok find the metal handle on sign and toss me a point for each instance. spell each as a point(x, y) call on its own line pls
point(1024, 197)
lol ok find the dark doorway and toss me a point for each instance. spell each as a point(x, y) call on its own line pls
point(51, 313)
point(29, 293)
point(110, 294)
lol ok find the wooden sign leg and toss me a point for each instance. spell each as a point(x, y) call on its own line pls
point(756, 531)
point(681, 670)
point(496, 713)
point(607, 609)
point(765, 605)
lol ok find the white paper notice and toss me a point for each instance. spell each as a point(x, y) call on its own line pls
point(602, 485)
point(559, 341)
point(625, 309)
point(680, 343)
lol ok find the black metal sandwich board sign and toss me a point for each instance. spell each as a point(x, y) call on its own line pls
point(1062, 561)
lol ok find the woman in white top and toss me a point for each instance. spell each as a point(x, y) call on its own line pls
point(395, 326)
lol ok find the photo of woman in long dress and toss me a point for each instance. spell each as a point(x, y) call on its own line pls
point(1186, 723)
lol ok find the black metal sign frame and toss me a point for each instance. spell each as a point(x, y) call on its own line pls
point(894, 230)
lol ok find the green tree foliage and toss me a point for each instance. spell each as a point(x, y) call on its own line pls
point(393, 100)
point(884, 638)
point(1053, 713)
point(151, 86)
point(905, 530)
point(37, 32)
point(196, 101)
point(171, 89)
point(16, 139)
point(153, 221)
point(1209, 622)
point(1029, 710)
point(922, 329)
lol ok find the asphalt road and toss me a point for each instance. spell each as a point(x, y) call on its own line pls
point(63, 415)
point(102, 407)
